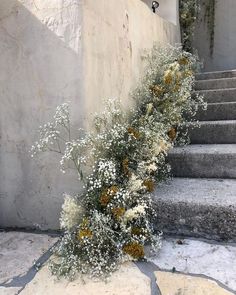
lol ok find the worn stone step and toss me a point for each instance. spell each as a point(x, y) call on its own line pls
point(204, 161)
point(218, 111)
point(211, 132)
point(219, 95)
point(215, 84)
point(193, 207)
point(216, 75)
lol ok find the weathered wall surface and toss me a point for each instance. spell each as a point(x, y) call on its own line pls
point(54, 51)
point(114, 43)
point(224, 56)
point(40, 57)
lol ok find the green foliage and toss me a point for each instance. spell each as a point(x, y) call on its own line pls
point(120, 162)
point(188, 10)
point(209, 18)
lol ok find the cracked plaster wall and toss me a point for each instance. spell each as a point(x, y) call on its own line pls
point(54, 51)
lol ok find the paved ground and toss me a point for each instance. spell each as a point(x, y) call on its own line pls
point(183, 267)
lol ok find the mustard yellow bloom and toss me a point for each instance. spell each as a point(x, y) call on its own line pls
point(134, 249)
point(84, 233)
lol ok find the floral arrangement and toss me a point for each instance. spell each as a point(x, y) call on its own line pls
point(120, 162)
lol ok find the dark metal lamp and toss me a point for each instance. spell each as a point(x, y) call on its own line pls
point(155, 5)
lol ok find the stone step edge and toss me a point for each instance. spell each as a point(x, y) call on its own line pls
point(199, 75)
point(199, 149)
point(216, 122)
point(194, 215)
point(214, 90)
point(221, 103)
point(216, 80)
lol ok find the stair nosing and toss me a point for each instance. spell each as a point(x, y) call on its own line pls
point(216, 72)
point(215, 80)
point(217, 89)
point(217, 122)
point(203, 149)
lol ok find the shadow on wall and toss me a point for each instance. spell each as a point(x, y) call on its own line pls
point(40, 57)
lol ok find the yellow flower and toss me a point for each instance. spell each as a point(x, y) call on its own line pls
point(149, 184)
point(188, 73)
point(177, 87)
point(172, 133)
point(107, 194)
point(104, 199)
point(134, 249)
point(133, 132)
point(168, 79)
point(84, 233)
point(136, 231)
point(125, 165)
point(156, 90)
point(118, 212)
point(183, 61)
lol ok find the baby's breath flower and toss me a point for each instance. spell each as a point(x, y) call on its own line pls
point(71, 213)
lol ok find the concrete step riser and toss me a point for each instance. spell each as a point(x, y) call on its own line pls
point(220, 132)
point(215, 84)
point(218, 111)
point(216, 75)
point(203, 165)
point(222, 95)
point(190, 220)
point(203, 208)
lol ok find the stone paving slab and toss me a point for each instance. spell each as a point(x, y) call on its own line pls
point(9, 291)
point(128, 280)
point(18, 252)
point(217, 261)
point(179, 284)
point(182, 267)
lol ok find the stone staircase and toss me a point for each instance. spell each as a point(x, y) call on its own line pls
point(200, 201)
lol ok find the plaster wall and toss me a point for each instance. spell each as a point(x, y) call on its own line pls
point(55, 51)
point(224, 55)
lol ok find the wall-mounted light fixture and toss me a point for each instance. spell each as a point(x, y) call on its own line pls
point(155, 5)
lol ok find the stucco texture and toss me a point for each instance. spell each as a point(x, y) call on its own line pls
point(224, 54)
point(54, 51)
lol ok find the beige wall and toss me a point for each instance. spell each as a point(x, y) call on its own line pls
point(224, 56)
point(115, 36)
point(54, 51)
point(168, 9)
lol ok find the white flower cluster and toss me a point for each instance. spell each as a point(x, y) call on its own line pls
point(71, 213)
point(134, 213)
point(94, 184)
point(48, 135)
point(107, 171)
point(135, 184)
point(62, 116)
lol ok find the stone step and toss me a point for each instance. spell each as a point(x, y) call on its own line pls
point(216, 75)
point(203, 208)
point(218, 111)
point(204, 161)
point(215, 84)
point(214, 132)
point(219, 95)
